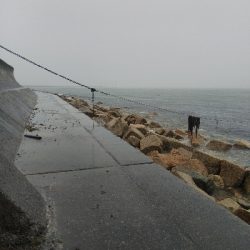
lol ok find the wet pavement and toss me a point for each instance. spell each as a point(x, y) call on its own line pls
point(104, 194)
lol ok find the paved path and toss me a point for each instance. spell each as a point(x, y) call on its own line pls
point(104, 194)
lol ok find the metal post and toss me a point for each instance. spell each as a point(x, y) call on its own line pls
point(93, 99)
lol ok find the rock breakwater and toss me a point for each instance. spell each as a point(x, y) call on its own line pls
point(226, 183)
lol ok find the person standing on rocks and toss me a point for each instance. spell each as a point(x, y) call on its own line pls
point(193, 122)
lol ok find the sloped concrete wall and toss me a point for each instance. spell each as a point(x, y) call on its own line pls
point(7, 79)
point(22, 209)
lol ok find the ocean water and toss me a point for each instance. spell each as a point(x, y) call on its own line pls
point(224, 113)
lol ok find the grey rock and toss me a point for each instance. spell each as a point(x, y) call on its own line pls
point(244, 203)
point(151, 143)
point(200, 180)
point(219, 145)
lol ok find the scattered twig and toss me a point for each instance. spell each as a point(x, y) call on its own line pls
point(37, 137)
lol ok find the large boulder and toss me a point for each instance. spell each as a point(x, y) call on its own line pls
point(161, 159)
point(157, 158)
point(125, 114)
point(181, 132)
point(170, 143)
point(212, 163)
point(169, 133)
point(230, 204)
point(140, 120)
point(220, 194)
point(185, 154)
point(86, 110)
point(193, 165)
point(153, 124)
point(130, 119)
point(103, 116)
point(217, 145)
point(216, 180)
point(177, 134)
point(194, 142)
point(179, 137)
point(214, 184)
point(189, 180)
point(78, 103)
point(101, 108)
point(112, 123)
point(200, 180)
point(114, 113)
point(182, 159)
point(134, 141)
point(243, 214)
point(242, 144)
point(177, 157)
point(231, 174)
point(197, 166)
point(151, 143)
point(246, 183)
point(135, 119)
point(244, 202)
point(197, 141)
point(159, 131)
point(142, 128)
point(132, 131)
point(185, 177)
point(118, 126)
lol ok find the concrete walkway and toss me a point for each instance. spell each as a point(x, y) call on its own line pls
point(104, 194)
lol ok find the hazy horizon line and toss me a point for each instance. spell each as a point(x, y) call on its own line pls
point(130, 87)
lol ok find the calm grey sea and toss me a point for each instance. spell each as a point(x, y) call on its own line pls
point(225, 113)
point(222, 112)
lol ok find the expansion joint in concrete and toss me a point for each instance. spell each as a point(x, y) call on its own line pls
point(68, 170)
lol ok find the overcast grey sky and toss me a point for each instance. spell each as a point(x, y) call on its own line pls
point(130, 43)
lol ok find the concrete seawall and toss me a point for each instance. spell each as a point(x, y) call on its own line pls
point(101, 192)
point(22, 209)
point(7, 79)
